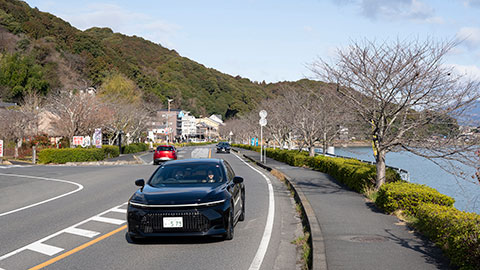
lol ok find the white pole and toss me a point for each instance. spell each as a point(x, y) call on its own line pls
point(261, 145)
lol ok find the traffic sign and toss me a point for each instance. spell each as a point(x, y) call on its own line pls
point(262, 114)
point(263, 122)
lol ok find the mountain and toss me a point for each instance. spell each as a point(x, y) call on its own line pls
point(40, 52)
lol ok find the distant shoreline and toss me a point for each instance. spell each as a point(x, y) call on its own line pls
point(353, 144)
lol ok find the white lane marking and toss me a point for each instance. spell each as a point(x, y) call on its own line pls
point(44, 249)
point(108, 220)
point(79, 187)
point(81, 232)
point(57, 233)
point(267, 234)
point(15, 166)
point(118, 210)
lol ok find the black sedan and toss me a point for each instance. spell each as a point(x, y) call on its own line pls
point(223, 147)
point(189, 197)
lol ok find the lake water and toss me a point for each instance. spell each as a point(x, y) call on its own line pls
point(423, 171)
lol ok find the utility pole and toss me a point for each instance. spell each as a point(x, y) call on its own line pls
point(168, 119)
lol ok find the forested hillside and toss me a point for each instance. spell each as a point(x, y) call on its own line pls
point(42, 53)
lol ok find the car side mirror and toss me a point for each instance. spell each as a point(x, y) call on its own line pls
point(237, 180)
point(140, 182)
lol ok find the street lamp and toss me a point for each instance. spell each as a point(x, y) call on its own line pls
point(168, 118)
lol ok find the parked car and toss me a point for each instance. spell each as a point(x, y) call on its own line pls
point(189, 197)
point(223, 147)
point(164, 153)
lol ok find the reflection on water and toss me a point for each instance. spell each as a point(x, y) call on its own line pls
point(424, 171)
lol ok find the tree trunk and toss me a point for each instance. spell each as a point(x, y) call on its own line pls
point(18, 144)
point(312, 151)
point(380, 159)
point(325, 146)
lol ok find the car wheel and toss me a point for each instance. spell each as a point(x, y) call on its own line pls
point(230, 226)
point(242, 215)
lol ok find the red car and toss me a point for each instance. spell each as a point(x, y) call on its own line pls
point(164, 153)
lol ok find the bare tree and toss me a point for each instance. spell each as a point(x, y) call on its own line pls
point(281, 117)
point(77, 113)
point(406, 94)
point(15, 125)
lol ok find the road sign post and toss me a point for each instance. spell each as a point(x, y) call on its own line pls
point(262, 122)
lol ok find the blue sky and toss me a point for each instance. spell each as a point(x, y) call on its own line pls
point(275, 40)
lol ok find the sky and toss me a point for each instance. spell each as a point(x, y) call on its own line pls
point(277, 40)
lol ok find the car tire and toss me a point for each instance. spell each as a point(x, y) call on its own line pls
point(242, 215)
point(230, 226)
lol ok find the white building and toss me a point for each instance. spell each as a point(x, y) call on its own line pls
point(188, 126)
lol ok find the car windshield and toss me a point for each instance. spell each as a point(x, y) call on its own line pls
point(181, 174)
point(223, 144)
point(165, 148)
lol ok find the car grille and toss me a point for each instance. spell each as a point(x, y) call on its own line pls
point(193, 221)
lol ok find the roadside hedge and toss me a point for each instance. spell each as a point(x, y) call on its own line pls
point(110, 151)
point(135, 148)
point(64, 155)
point(455, 231)
point(355, 174)
point(408, 197)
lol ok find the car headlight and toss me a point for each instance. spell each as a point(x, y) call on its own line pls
point(143, 205)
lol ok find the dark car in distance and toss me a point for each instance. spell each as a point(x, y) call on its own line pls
point(164, 153)
point(189, 197)
point(223, 147)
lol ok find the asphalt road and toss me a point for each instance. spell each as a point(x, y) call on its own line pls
point(73, 217)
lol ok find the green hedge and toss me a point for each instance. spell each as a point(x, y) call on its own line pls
point(408, 196)
point(65, 155)
point(456, 232)
point(135, 148)
point(355, 174)
point(110, 151)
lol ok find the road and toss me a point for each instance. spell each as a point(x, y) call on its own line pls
point(73, 217)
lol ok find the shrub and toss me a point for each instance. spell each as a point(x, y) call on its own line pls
point(65, 155)
point(456, 232)
point(355, 174)
point(134, 148)
point(110, 151)
point(408, 196)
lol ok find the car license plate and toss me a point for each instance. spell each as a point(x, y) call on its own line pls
point(172, 222)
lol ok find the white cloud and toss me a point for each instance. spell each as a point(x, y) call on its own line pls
point(395, 9)
point(470, 36)
point(473, 3)
point(124, 21)
point(471, 71)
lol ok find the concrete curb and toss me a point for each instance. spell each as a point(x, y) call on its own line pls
point(319, 259)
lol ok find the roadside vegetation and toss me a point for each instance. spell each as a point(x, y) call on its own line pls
point(424, 208)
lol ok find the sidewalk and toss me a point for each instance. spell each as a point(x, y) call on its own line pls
point(351, 232)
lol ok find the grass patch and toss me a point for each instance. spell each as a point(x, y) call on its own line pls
point(303, 243)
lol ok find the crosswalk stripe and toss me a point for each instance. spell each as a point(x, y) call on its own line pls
point(81, 232)
point(108, 220)
point(119, 210)
point(44, 248)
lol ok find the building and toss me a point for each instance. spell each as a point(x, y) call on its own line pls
point(208, 127)
point(188, 126)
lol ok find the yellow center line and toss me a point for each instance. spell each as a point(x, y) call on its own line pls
point(210, 153)
point(77, 249)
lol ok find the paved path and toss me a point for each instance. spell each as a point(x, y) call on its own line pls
point(353, 233)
